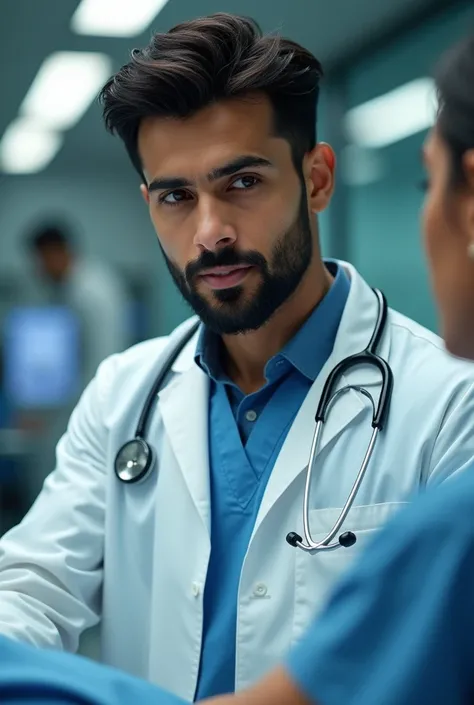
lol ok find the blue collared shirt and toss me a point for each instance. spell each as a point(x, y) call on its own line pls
point(246, 434)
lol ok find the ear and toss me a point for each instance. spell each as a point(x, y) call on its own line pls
point(145, 193)
point(319, 169)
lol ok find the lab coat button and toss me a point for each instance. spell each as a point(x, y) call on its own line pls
point(251, 415)
point(260, 590)
point(196, 589)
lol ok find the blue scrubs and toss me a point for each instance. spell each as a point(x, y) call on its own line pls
point(399, 628)
point(40, 677)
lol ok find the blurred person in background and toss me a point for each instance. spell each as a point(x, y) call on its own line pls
point(189, 570)
point(92, 289)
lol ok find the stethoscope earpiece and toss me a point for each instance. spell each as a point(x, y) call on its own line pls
point(347, 539)
point(293, 539)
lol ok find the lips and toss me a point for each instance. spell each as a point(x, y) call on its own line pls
point(225, 277)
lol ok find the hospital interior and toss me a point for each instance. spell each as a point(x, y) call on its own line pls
point(60, 169)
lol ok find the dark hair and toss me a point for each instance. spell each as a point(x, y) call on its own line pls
point(455, 85)
point(50, 235)
point(209, 59)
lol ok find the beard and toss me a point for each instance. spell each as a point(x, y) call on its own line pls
point(232, 311)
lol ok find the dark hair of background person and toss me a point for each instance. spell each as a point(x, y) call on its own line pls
point(50, 235)
point(455, 86)
point(210, 59)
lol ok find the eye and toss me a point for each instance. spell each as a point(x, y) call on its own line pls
point(246, 182)
point(174, 198)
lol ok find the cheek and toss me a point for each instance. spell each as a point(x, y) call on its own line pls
point(441, 251)
point(171, 239)
point(432, 226)
point(452, 276)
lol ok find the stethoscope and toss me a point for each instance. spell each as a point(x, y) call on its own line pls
point(135, 459)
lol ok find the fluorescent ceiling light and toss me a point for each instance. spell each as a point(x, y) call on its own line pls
point(115, 18)
point(64, 87)
point(394, 116)
point(27, 148)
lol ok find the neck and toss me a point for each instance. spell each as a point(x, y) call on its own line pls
point(246, 354)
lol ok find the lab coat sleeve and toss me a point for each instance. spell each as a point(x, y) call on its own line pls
point(51, 563)
point(453, 450)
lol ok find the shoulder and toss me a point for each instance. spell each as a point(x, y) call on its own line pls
point(407, 331)
point(418, 350)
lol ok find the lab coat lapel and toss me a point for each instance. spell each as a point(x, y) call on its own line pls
point(355, 330)
point(183, 404)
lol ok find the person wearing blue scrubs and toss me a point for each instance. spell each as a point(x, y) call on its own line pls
point(399, 628)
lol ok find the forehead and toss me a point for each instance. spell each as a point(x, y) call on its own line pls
point(211, 137)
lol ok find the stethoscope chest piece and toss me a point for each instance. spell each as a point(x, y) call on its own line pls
point(134, 461)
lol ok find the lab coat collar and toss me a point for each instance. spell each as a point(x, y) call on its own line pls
point(184, 406)
point(356, 328)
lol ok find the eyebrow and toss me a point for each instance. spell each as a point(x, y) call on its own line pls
point(233, 167)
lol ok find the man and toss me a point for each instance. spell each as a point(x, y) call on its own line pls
point(189, 571)
point(91, 289)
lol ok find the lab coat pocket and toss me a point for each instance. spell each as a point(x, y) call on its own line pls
point(316, 574)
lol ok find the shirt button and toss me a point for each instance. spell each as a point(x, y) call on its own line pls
point(260, 590)
point(251, 415)
point(196, 589)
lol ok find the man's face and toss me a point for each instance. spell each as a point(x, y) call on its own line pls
point(53, 262)
point(230, 211)
point(448, 228)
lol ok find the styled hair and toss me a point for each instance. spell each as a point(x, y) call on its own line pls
point(210, 59)
point(455, 87)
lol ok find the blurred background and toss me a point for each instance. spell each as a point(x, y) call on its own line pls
point(81, 274)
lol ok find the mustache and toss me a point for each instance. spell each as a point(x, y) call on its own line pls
point(226, 257)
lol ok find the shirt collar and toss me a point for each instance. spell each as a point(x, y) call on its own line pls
point(309, 348)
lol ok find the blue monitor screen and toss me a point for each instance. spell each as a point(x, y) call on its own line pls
point(42, 356)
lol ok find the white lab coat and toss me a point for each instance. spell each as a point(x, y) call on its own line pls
point(137, 555)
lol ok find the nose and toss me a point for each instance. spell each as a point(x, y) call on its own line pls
point(213, 231)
